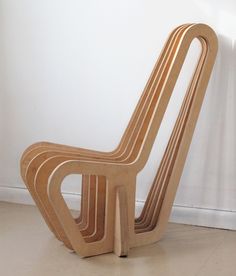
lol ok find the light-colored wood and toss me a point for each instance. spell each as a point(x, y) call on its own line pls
point(107, 220)
point(162, 174)
point(160, 62)
point(37, 154)
point(121, 246)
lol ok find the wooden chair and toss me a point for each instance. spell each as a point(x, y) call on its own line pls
point(41, 157)
point(107, 221)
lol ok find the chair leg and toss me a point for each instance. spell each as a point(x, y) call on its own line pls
point(121, 236)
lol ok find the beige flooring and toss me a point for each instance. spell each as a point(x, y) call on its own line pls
point(28, 248)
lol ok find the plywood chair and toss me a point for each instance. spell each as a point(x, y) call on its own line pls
point(42, 157)
point(116, 172)
point(39, 152)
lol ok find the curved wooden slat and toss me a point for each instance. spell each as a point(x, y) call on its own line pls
point(103, 220)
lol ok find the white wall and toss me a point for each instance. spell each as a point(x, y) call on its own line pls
point(72, 72)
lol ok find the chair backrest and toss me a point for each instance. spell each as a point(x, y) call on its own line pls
point(161, 86)
point(165, 170)
point(130, 135)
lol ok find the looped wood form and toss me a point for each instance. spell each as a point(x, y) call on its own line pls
point(107, 220)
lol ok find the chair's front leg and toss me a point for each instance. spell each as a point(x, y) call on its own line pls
point(121, 231)
point(119, 221)
point(125, 186)
point(70, 228)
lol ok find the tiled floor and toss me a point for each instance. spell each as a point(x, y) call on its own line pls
point(28, 248)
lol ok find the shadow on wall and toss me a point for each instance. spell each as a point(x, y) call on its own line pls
point(211, 162)
point(221, 130)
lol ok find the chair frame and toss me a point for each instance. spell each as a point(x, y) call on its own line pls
point(107, 220)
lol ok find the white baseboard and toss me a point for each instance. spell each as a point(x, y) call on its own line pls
point(180, 214)
point(22, 196)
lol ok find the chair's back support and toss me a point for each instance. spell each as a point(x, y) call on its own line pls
point(157, 191)
point(155, 113)
point(131, 132)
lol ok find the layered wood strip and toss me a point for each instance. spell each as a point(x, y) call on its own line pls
point(107, 220)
